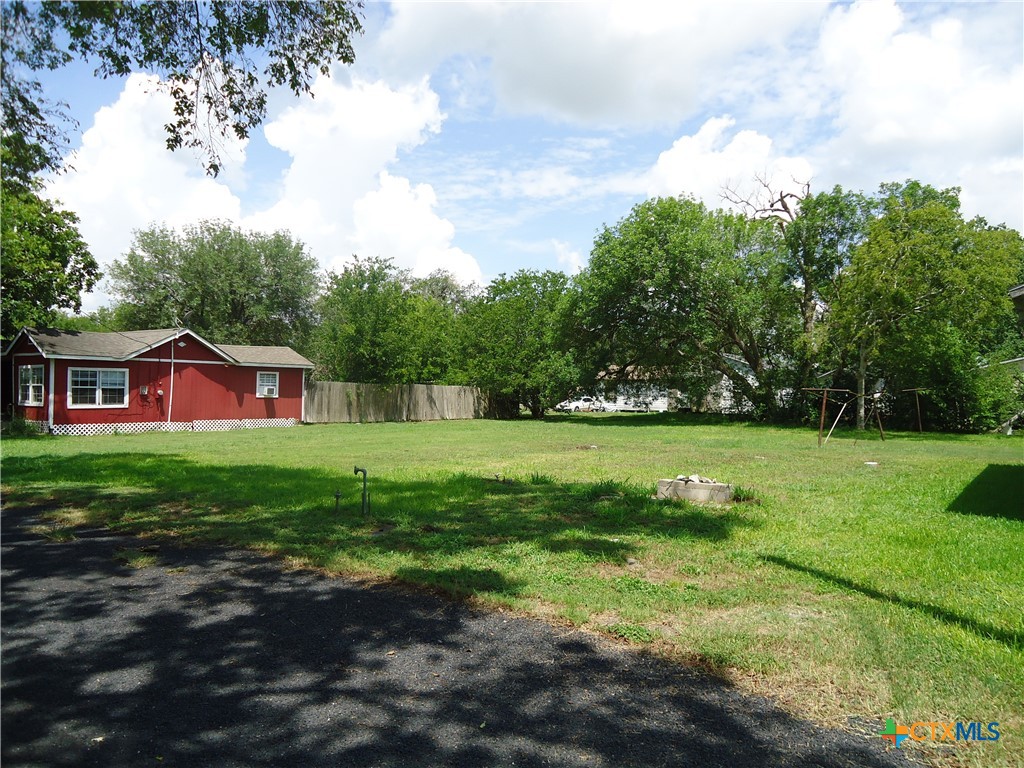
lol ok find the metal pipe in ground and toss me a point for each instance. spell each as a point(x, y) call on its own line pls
point(366, 494)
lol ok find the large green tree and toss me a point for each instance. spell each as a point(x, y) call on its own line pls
point(228, 285)
point(438, 302)
point(820, 239)
point(924, 297)
point(688, 295)
point(820, 231)
point(45, 265)
point(379, 325)
point(508, 343)
point(217, 60)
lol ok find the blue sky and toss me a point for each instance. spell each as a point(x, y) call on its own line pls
point(488, 137)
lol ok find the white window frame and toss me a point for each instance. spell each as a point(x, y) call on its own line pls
point(261, 386)
point(98, 393)
point(33, 399)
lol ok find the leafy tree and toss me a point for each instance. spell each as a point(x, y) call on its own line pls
point(366, 321)
point(230, 286)
point(508, 343)
point(962, 389)
point(924, 295)
point(438, 301)
point(820, 231)
point(380, 325)
point(689, 295)
point(46, 265)
point(441, 286)
point(103, 319)
point(820, 240)
point(204, 52)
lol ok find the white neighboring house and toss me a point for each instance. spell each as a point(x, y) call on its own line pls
point(1017, 297)
point(640, 392)
point(723, 397)
point(640, 398)
point(636, 393)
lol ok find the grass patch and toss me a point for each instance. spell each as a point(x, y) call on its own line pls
point(56, 533)
point(842, 588)
point(135, 558)
point(635, 633)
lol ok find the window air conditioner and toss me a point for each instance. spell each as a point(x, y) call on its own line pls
point(270, 391)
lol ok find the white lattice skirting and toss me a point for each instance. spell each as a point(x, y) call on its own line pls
point(217, 425)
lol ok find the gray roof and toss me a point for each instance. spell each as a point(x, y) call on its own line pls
point(117, 346)
point(265, 355)
point(123, 345)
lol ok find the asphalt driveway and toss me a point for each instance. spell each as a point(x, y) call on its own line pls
point(224, 658)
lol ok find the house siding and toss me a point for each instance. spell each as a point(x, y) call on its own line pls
point(200, 392)
point(149, 408)
point(205, 388)
point(229, 392)
point(25, 353)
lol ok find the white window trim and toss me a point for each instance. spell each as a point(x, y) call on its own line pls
point(276, 385)
point(30, 402)
point(93, 405)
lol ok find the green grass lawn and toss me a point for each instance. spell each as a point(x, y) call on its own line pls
point(843, 589)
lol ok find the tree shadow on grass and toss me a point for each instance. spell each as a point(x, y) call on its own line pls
point(220, 657)
point(661, 419)
point(982, 629)
point(462, 581)
point(433, 522)
point(997, 491)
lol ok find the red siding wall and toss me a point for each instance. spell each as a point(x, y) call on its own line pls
point(25, 353)
point(205, 388)
point(229, 392)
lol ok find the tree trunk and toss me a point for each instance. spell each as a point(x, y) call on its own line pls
point(536, 407)
point(806, 350)
point(862, 374)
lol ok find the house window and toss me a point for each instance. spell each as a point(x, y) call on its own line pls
point(30, 385)
point(266, 384)
point(98, 388)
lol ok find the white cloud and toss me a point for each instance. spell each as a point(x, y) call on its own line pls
point(571, 261)
point(336, 195)
point(545, 182)
point(329, 196)
point(124, 178)
point(339, 141)
point(926, 100)
point(604, 63)
point(397, 221)
point(898, 97)
point(851, 94)
point(704, 164)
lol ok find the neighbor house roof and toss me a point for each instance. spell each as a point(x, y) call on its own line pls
point(123, 345)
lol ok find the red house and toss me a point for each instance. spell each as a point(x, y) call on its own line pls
point(86, 383)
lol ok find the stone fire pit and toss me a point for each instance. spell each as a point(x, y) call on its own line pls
point(694, 488)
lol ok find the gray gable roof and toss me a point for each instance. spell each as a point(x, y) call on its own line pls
point(116, 346)
point(123, 345)
point(282, 356)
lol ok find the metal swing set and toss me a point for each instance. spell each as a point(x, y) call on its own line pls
point(873, 410)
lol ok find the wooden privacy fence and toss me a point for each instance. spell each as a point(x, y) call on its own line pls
point(329, 402)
